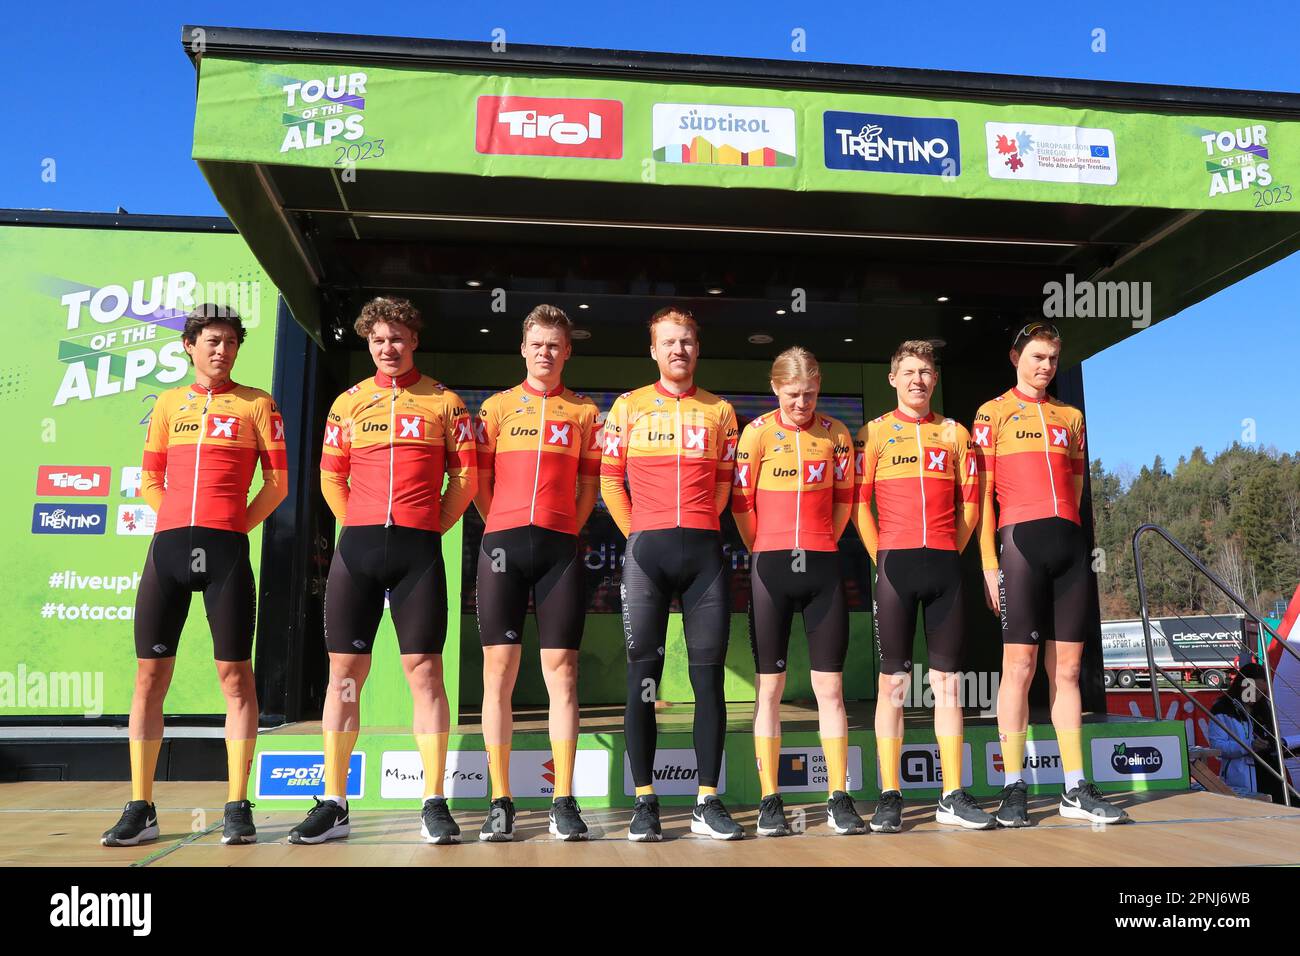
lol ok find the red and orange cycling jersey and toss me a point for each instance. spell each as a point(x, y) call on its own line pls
point(791, 479)
point(200, 453)
point(675, 451)
point(388, 445)
point(1031, 455)
point(921, 472)
point(534, 449)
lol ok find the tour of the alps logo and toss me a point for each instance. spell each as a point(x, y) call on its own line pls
point(1235, 159)
point(549, 126)
point(1051, 154)
point(705, 135)
point(319, 110)
point(879, 143)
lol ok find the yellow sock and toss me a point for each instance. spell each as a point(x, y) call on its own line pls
point(144, 763)
point(563, 754)
point(499, 769)
point(1071, 744)
point(707, 792)
point(433, 755)
point(645, 791)
point(950, 761)
point(239, 763)
point(767, 751)
point(837, 763)
point(889, 751)
point(338, 754)
point(1013, 753)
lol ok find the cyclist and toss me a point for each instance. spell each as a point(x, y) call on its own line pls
point(204, 442)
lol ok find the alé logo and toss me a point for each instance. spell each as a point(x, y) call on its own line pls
point(549, 126)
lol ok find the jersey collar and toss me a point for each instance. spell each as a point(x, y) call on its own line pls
point(911, 420)
point(402, 381)
point(226, 386)
point(659, 387)
point(1025, 398)
point(538, 392)
point(780, 420)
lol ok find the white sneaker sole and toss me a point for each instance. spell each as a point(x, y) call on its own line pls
point(648, 837)
point(703, 829)
point(950, 819)
point(567, 838)
point(769, 831)
point(336, 832)
point(1078, 813)
point(239, 840)
point(438, 841)
point(144, 836)
point(496, 837)
point(844, 831)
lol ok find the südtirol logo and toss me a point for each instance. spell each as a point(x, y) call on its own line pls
point(319, 110)
point(1236, 159)
point(124, 336)
point(696, 133)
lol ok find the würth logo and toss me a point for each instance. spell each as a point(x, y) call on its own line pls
point(549, 126)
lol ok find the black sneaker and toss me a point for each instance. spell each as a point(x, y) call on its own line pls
point(238, 826)
point(139, 824)
point(959, 809)
point(771, 817)
point(842, 815)
point(499, 827)
point(436, 824)
point(888, 817)
point(1085, 802)
point(645, 826)
point(1012, 811)
point(326, 821)
point(566, 819)
point(711, 819)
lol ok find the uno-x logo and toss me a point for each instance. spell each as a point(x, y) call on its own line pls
point(597, 436)
point(936, 460)
point(223, 426)
point(559, 433)
point(464, 431)
point(841, 467)
point(860, 463)
point(333, 435)
point(1060, 436)
point(480, 432)
point(696, 438)
point(971, 466)
point(981, 435)
point(741, 477)
point(612, 443)
point(410, 426)
point(815, 472)
point(277, 428)
point(729, 452)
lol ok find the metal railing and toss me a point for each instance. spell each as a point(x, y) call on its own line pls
point(1288, 791)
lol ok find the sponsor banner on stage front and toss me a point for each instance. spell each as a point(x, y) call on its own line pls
point(675, 773)
point(803, 770)
point(532, 773)
point(1041, 764)
point(920, 768)
point(300, 774)
point(401, 775)
point(1130, 759)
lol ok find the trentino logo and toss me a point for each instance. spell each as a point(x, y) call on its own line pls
point(878, 143)
point(68, 519)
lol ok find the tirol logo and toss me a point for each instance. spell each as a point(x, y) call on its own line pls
point(877, 143)
point(318, 111)
point(68, 519)
point(296, 774)
point(1236, 159)
point(700, 134)
point(542, 126)
point(1132, 759)
point(81, 481)
point(1051, 154)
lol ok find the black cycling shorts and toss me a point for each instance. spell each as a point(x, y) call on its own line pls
point(906, 578)
point(528, 559)
point(782, 582)
point(180, 562)
point(405, 564)
point(666, 562)
point(1043, 581)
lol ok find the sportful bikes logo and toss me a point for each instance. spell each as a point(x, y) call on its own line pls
point(1051, 154)
point(702, 134)
point(879, 143)
point(549, 126)
point(318, 111)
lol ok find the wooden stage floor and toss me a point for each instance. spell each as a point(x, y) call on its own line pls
point(58, 824)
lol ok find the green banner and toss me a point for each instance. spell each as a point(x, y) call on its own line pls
point(612, 130)
point(97, 315)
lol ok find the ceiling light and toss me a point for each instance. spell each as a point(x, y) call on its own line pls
point(713, 290)
point(943, 298)
point(483, 330)
point(583, 305)
point(473, 283)
point(848, 340)
point(780, 311)
point(967, 318)
point(760, 338)
point(580, 333)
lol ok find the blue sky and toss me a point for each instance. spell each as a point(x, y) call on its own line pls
point(106, 91)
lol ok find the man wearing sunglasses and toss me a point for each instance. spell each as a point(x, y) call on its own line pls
point(1030, 450)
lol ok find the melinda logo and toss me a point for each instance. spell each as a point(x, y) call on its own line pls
point(542, 126)
point(68, 519)
point(72, 480)
point(723, 135)
point(878, 143)
point(1128, 759)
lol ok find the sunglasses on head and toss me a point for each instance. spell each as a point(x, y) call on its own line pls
point(1032, 329)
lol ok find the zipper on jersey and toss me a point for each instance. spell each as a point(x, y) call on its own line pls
point(920, 477)
point(1047, 457)
point(681, 443)
point(798, 488)
point(198, 452)
point(392, 450)
point(537, 472)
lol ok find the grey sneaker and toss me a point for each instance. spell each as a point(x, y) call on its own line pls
point(959, 809)
point(1085, 802)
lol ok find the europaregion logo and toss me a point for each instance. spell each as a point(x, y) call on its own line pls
point(709, 135)
point(880, 143)
point(136, 520)
point(1051, 154)
point(1236, 159)
point(318, 110)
